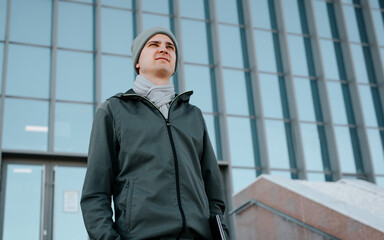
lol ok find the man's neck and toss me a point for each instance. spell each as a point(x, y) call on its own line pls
point(157, 80)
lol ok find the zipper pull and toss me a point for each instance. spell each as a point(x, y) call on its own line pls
point(168, 123)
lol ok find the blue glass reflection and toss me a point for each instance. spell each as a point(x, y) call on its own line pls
point(379, 26)
point(277, 139)
point(24, 129)
point(198, 79)
point(337, 104)
point(240, 141)
point(150, 20)
point(28, 71)
point(193, 9)
point(367, 106)
point(31, 21)
point(1, 65)
point(311, 147)
point(211, 126)
point(74, 80)
point(116, 75)
point(160, 6)
point(352, 27)
point(72, 127)
point(265, 51)
point(304, 99)
point(234, 84)
point(67, 214)
point(117, 3)
point(328, 53)
point(298, 55)
point(3, 18)
point(195, 47)
point(230, 46)
point(23, 197)
point(322, 19)
point(359, 63)
point(116, 31)
point(227, 11)
point(374, 3)
point(261, 14)
point(241, 178)
point(344, 149)
point(75, 28)
point(380, 181)
point(316, 177)
point(270, 93)
point(292, 16)
point(377, 152)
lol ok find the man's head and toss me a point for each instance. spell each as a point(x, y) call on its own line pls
point(155, 50)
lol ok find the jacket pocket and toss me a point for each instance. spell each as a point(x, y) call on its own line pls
point(129, 204)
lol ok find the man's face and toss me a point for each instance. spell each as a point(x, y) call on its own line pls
point(158, 57)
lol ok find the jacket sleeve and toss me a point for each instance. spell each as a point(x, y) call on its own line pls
point(213, 181)
point(98, 183)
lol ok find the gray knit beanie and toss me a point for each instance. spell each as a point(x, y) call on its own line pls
point(143, 37)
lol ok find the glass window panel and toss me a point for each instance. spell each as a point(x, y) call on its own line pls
point(283, 174)
point(322, 19)
point(329, 59)
point(68, 186)
point(298, 56)
point(270, 93)
point(242, 178)
point(150, 20)
point(292, 16)
point(344, 149)
point(1, 65)
point(193, 9)
point(304, 99)
point(380, 181)
point(28, 71)
point(227, 11)
point(379, 26)
point(336, 99)
point(230, 46)
point(376, 147)
point(74, 76)
point(3, 18)
point(265, 51)
point(382, 55)
point(116, 75)
point(160, 6)
point(368, 106)
point(25, 124)
point(198, 79)
point(234, 83)
point(311, 147)
point(260, 14)
point(350, 18)
point(72, 127)
point(374, 3)
point(276, 139)
point(75, 28)
point(195, 41)
point(23, 197)
point(359, 63)
point(210, 122)
point(31, 21)
point(116, 31)
point(240, 140)
point(117, 3)
point(316, 177)
point(85, 1)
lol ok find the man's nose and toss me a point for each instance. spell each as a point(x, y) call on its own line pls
point(163, 49)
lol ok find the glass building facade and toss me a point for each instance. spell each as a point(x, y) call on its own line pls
point(287, 87)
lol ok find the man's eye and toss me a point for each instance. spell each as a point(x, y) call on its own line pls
point(170, 47)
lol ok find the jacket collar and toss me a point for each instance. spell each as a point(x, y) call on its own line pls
point(185, 96)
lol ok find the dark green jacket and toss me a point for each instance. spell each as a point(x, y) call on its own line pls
point(163, 174)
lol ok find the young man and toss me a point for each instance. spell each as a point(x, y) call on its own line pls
point(150, 151)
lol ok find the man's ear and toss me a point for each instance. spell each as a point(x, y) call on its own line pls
point(137, 65)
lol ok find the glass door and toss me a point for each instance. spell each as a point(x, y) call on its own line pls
point(42, 201)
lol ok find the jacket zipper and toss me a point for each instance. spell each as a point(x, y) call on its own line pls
point(168, 124)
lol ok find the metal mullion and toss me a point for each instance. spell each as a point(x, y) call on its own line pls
point(52, 107)
point(328, 148)
point(261, 150)
point(290, 92)
point(223, 122)
point(98, 57)
point(138, 27)
point(364, 153)
point(180, 83)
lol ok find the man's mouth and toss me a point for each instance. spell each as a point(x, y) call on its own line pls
point(162, 58)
